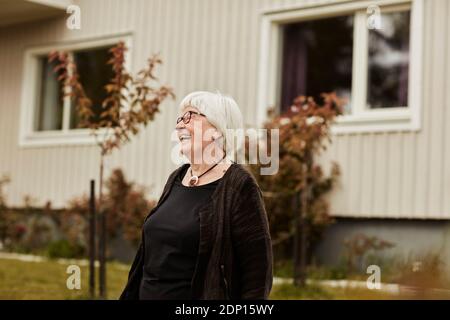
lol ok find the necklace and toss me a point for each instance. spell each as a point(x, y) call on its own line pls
point(194, 179)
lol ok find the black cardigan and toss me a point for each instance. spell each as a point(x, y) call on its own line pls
point(235, 251)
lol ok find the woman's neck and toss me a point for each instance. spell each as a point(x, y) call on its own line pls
point(199, 168)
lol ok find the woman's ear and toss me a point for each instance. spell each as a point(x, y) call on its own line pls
point(216, 136)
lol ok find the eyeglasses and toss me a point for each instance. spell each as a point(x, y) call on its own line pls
point(187, 116)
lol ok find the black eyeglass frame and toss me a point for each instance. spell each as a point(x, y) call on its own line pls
point(186, 117)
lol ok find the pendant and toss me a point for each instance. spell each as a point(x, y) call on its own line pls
point(193, 181)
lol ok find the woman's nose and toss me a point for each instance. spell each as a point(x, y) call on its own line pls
point(180, 125)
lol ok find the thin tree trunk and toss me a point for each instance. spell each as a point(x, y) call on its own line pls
point(301, 207)
point(297, 240)
point(303, 228)
point(103, 231)
point(300, 241)
point(92, 240)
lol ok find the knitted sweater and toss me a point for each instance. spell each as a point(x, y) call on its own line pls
point(235, 250)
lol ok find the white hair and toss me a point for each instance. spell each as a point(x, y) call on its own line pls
point(222, 112)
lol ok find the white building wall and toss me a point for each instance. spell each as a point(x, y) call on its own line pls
point(214, 44)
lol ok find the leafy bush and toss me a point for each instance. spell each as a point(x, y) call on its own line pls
point(125, 206)
point(303, 134)
point(64, 249)
point(360, 248)
point(28, 229)
point(64, 233)
point(423, 271)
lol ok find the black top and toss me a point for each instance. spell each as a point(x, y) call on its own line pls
point(171, 239)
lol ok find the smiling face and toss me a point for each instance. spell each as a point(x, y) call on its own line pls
point(195, 135)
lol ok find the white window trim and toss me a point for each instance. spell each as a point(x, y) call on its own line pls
point(30, 138)
point(375, 120)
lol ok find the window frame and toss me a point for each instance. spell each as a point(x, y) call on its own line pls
point(360, 119)
point(28, 136)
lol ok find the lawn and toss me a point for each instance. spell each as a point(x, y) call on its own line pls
point(317, 292)
point(47, 280)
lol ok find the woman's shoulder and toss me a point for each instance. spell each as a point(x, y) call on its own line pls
point(173, 175)
point(244, 189)
point(242, 176)
point(177, 171)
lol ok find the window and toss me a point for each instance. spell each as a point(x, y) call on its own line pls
point(94, 74)
point(48, 117)
point(388, 54)
point(312, 50)
point(313, 62)
point(49, 113)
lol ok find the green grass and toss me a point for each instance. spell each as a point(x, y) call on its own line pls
point(284, 269)
point(316, 292)
point(47, 280)
point(290, 292)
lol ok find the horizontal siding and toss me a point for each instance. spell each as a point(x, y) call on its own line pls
point(214, 45)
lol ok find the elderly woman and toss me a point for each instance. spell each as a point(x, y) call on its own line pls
point(208, 236)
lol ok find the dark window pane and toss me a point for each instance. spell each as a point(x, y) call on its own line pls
point(317, 58)
point(387, 84)
point(94, 73)
point(50, 103)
